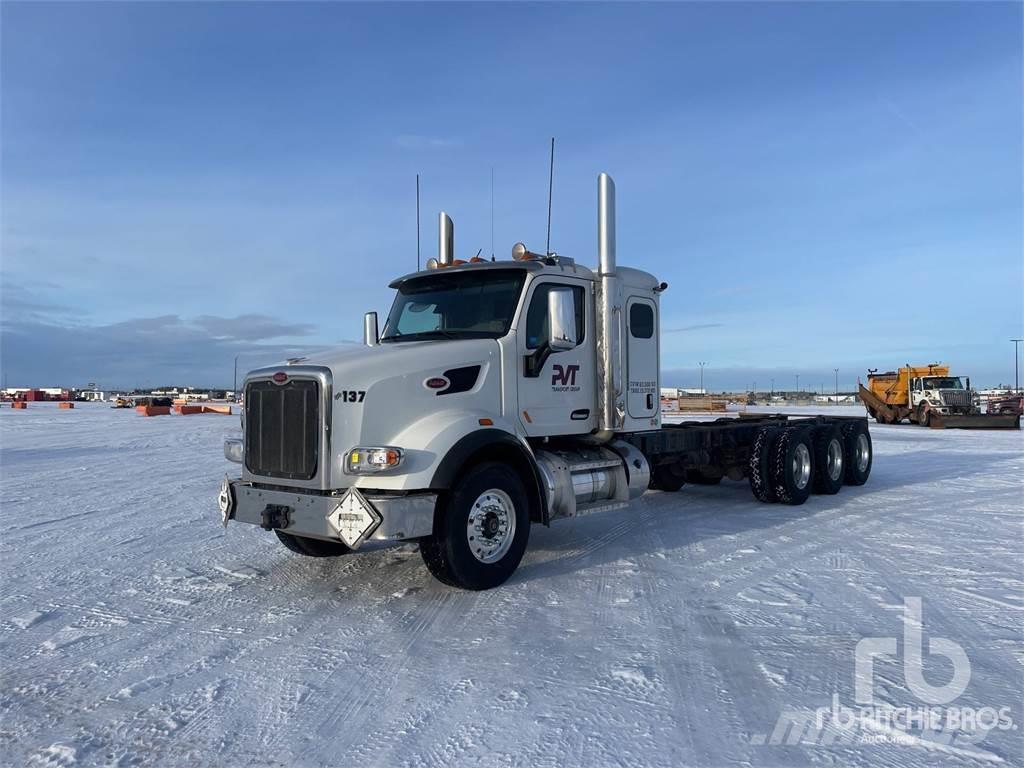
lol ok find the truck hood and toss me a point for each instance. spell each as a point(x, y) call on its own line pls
point(379, 392)
point(399, 359)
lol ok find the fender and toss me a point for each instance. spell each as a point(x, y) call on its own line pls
point(480, 440)
point(434, 435)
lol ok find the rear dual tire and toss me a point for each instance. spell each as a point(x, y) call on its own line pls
point(858, 452)
point(697, 477)
point(759, 468)
point(788, 463)
point(792, 466)
point(829, 460)
point(668, 477)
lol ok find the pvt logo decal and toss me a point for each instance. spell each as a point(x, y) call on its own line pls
point(563, 378)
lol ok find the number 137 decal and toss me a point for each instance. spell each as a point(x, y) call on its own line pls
point(351, 395)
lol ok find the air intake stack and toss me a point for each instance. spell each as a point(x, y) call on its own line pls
point(611, 409)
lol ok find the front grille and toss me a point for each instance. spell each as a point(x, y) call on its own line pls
point(958, 398)
point(282, 429)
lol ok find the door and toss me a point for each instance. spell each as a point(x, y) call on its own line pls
point(641, 358)
point(559, 396)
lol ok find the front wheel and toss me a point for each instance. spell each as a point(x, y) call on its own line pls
point(481, 529)
point(303, 545)
point(924, 416)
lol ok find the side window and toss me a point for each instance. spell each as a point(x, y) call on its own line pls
point(537, 330)
point(641, 321)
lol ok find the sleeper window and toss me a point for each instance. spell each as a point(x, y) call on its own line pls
point(641, 321)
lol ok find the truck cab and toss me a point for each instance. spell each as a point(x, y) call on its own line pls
point(943, 394)
point(529, 368)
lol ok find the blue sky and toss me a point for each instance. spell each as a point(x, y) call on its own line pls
point(822, 185)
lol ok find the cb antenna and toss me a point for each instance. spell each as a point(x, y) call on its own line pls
point(551, 186)
point(417, 222)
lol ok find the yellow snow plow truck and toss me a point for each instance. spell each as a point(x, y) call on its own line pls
point(928, 395)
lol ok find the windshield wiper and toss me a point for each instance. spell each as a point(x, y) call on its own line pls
point(437, 333)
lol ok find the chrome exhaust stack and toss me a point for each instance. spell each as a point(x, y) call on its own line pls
point(611, 409)
point(445, 239)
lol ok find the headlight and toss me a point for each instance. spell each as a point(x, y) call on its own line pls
point(360, 461)
point(233, 449)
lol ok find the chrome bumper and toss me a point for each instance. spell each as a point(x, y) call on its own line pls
point(401, 517)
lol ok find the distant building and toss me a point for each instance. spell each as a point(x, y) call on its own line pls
point(673, 392)
point(839, 399)
point(188, 394)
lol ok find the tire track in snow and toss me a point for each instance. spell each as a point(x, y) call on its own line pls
point(351, 702)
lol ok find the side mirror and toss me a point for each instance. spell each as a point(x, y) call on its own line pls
point(370, 334)
point(561, 319)
point(561, 330)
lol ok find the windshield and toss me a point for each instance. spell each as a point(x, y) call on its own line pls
point(943, 382)
point(457, 305)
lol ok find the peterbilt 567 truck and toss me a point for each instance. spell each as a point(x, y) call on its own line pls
point(500, 394)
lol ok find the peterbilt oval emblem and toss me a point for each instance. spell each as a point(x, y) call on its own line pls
point(280, 377)
point(436, 382)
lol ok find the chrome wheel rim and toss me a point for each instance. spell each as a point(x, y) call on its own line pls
point(863, 452)
point(835, 459)
point(801, 466)
point(491, 526)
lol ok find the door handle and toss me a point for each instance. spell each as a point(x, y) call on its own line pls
point(581, 414)
point(650, 402)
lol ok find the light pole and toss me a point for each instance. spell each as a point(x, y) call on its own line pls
point(1016, 367)
point(836, 371)
point(234, 387)
point(798, 385)
point(702, 377)
point(773, 388)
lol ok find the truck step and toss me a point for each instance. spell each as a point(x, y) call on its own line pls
point(600, 506)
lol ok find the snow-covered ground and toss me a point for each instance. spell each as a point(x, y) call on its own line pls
point(681, 631)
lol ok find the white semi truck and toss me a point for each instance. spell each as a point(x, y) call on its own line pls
point(499, 395)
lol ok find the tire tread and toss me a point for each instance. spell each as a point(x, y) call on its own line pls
point(758, 472)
